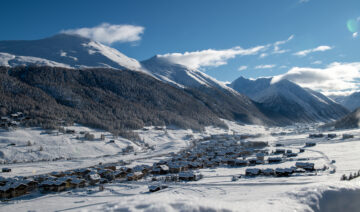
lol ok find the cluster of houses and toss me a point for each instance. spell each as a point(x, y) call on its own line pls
point(330, 135)
point(13, 120)
point(300, 167)
point(219, 150)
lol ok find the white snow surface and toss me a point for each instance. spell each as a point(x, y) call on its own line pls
point(215, 192)
point(11, 60)
point(114, 55)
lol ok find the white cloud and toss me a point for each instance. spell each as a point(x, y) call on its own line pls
point(108, 34)
point(263, 55)
point(210, 57)
point(355, 34)
point(268, 66)
point(317, 49)
point(242, 68)
point(336, 77)
point(317, 62)
point(277, 44)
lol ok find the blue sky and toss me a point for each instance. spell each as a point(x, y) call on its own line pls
point(320, 35)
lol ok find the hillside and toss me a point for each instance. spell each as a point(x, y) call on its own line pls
point(350, 121)
point(104, 98)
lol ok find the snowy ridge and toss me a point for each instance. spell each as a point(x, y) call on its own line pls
point(11, 60)
point(180, 75)
point(112, 54)
point(65, 50)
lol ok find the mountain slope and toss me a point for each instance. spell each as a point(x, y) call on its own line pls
point(221, 99)
point(72, 50)
point(289, 102)
point(179, 75)
point(105, 98)
point(352, 120)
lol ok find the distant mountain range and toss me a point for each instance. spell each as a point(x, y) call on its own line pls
point(288, 102)
point(351, 102)
point(247, 101)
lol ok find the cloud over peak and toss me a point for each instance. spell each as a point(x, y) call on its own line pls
point(317, 49)
point(210, 57)
point(107, 33)
point(336, 77)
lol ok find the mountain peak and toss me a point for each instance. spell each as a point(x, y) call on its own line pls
point(70, 49)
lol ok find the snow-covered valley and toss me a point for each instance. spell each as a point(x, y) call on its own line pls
point(216, 191)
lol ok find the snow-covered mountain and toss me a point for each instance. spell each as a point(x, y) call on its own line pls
point(13, 60)
point(180, 75)
point(288, 100)
point(351, 102)
point(64, 50)
point(222, 100)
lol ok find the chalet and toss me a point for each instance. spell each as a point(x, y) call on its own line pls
point(239, 162)
point(347, 136)
point(302, 150)
point(319, 135)
point(134, 176)
point(93, 178)
point(310, 144)
point(103, 180)
point(209, 164)
point(306, 166)
point(283, 172)
point(14, 123)
point(5, 119)
point(331, 135)
point(82, 172)
point(119, 174)
point(32, 184)
point(187, 176)
point(6, 170)
point(164, 169)
point(292, 154)
point(110, 166)
point(268, 172)
point(70, 131)
point(260, 156)
point(196, 165)
point(156, 170)
point(57, 174)
point(106, 173)
point(77, 183)
point(252, 161)
point(252, 172)
point(279, 151)
point(47, 185)
point(274, 159)
point(60, 185)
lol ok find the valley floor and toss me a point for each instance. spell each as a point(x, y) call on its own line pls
point(215, 192)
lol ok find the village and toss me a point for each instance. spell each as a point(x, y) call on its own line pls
point(221, 150)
